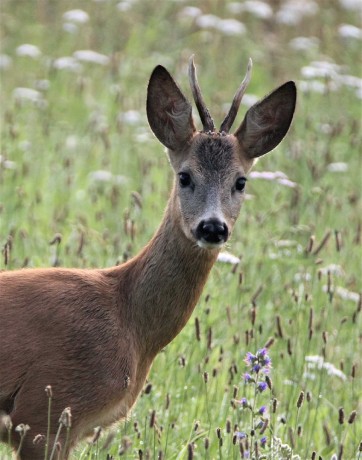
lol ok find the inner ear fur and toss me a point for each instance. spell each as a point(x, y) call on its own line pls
point(169, 113)
point(267, 122)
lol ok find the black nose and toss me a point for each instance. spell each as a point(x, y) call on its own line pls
point(212, 231)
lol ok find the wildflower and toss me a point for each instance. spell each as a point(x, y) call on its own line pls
point(243, 402)
point(256, 368)
point(250, 358)
point(263, 441)
point(248, 378)
point(241, 435)
point(28, 50)
point(262, 386)
point(76, 16)
point(258, 362)
point(262, 410)
point(263, 357)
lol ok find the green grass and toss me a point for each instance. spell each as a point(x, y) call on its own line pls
point(48, 189)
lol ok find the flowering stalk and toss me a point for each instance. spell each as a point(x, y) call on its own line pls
point(259, 365)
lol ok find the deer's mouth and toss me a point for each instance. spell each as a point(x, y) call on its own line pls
point(209, 246)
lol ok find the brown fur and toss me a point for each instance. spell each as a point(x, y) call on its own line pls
point(93, 334)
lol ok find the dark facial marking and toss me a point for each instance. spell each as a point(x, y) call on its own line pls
point(215, 154)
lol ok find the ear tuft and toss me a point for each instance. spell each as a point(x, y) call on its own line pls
point(267, 122)
point(168, 111)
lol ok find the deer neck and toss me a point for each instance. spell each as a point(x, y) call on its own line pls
point(167, 279)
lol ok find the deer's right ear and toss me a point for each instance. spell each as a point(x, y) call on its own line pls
point(168, 111)
point(267, 122)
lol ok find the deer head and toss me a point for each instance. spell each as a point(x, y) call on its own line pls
point(211, 166)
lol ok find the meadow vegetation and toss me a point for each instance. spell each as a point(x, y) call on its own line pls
point(83, 183)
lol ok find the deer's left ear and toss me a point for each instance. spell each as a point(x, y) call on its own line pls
point(267, 122)
point(168, 111)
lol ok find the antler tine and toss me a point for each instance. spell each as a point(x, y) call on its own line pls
point(230, 117)
point(206, 120)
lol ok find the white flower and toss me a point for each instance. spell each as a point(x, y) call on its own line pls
point(225, 26)
point(77, 16)
point(334, 269)
point(318, 362)
point(302, 277)
point(91, 56)
point(321, 69)
point(304, 43)
point(230, 27)
point(278, 176)
point(293, 11)
point(207, 21)
point(28, 50)
point(125, 5)
point(257, 8)
point(7, 164)
point(352, 81)
point(67, 63)
point(5, 61)
point(337, 167)
point(349, 31)
point(313, 86)
point(106, 176)
point(131, 117)
point(101, 176)
point(71, 142)
point(190, 11)
point(353, 5)
point(268, 175)
point(227, 258)
point(287, 183)
point(249, 99)
point(286, 243)
point(27, 94)
point(347, 295)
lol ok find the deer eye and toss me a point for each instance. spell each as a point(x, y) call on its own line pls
point(185, 179)
point(240, 184)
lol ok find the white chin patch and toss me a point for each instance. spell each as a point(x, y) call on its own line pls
point(205, 245)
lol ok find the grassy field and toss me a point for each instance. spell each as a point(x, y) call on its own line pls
point(83, 183)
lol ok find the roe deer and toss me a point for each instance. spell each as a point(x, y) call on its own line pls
point(93, 334)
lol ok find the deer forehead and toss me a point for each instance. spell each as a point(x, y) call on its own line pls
point(214, 155)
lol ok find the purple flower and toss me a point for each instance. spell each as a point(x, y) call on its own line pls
point(262, 410)
point(263, 441)
point(262, 386)
point(241, 435)
point(248, 377)
point(250, 358)
point(259, 362)
point(262, 352)
point(266, 370)
point(244, 402)
point(263, 358)
point(256, 368)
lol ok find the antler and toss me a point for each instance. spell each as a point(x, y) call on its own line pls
point(230, 117)
point(207, 121)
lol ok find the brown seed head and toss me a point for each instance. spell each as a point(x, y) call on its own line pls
point(352, 417)
point(300, 399)
point(341, 415)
